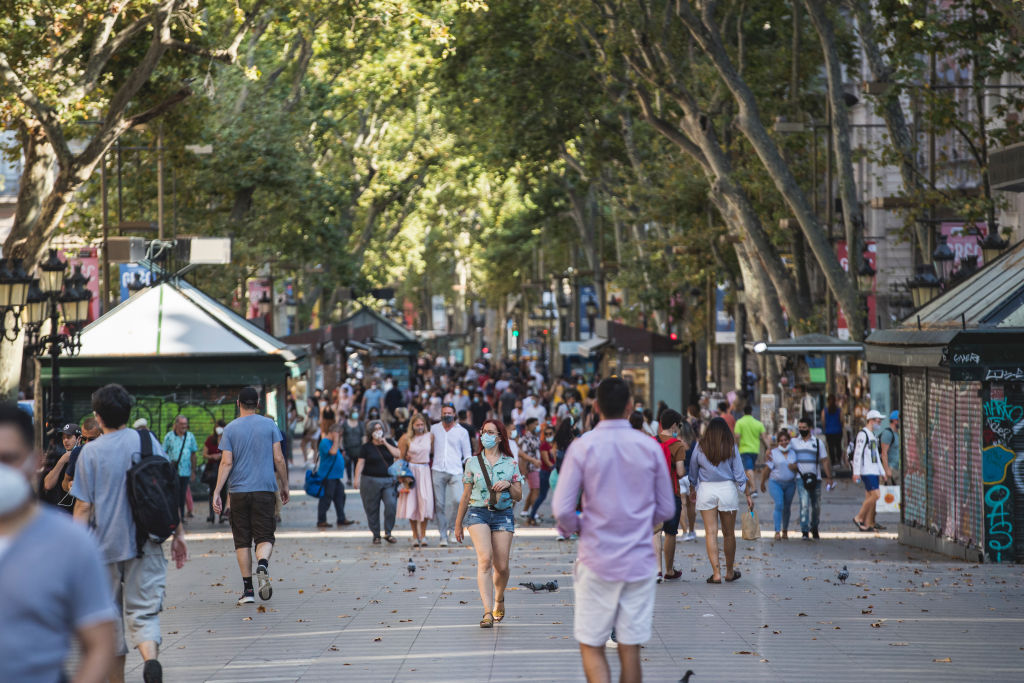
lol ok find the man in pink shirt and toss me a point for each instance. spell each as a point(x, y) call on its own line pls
point(620, 473)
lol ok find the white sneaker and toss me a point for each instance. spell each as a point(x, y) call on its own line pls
point(753, 494)
point(523, 514)
point(444, 542)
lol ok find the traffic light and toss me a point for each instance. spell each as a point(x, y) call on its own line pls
point(673, 336)
point(544, 331)
point(485, 350)
point(515, 333)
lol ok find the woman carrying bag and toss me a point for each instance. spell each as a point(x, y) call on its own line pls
point(717, 472)
point(417, 505)
point(492, 486)
point(375, 484)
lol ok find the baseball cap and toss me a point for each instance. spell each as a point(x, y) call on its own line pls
point(894, 415)
point(70, 428)
point(249, 396)
point(874, 415)
point(141, 422)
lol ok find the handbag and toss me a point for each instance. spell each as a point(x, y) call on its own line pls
point(888, 499)
point(314, 485)
point(751, 526)
point(400, 468)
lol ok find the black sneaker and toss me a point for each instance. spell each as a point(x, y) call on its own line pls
point(814, 534)
point(248, 597)
point(263, 579)
point(152, 672)
point(807, 536)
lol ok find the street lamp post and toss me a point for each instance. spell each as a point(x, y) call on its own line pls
point(52, 297)
point(14, 286)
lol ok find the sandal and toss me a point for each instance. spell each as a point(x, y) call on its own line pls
point(487, 621)
point(499, 614)
point(879, 527)
point(711, 579)
point(735, 575)
point(391, 539)
point(376, 540)
point(861, 527)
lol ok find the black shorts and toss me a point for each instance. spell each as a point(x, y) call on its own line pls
point(253, 517)
point(671, 526)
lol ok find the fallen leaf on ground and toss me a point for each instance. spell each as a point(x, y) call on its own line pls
point(261, 609)
point(246, 618)
point(944, 660)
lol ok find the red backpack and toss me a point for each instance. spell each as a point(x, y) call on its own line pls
point(666, 449)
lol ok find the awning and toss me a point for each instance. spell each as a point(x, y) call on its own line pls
point(358, 345)
point(808, 343)
point(588, 347)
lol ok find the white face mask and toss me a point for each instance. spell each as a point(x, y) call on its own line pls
point(219, 430)
point(15, 490)
point(378, 434)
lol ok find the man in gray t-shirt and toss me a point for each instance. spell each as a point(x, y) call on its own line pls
point(252, 467)
point(138, 576)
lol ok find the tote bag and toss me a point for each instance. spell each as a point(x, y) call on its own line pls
point(751, 525)
point(888, 499)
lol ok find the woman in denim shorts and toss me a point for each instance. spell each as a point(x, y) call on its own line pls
point(488, 514)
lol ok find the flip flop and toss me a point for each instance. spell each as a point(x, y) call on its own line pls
point(711, 579)
point(735, 575)
point(860, 527)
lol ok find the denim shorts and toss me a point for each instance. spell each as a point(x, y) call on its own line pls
point(749, 459)
point(497, 520)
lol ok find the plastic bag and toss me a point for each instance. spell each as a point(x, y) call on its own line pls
point(751, 525)
point(888, 499)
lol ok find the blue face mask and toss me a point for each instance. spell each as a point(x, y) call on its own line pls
point(537, 429)
point(489, 440)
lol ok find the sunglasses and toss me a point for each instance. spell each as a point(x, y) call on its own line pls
point(86, 439)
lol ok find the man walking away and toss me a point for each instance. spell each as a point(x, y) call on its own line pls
point(180, 447)
point(138, 576)
point(252, 466)
point(620, 473)
point(889, 445)
point(750, 435)
point(43, 603)
point(451, 451)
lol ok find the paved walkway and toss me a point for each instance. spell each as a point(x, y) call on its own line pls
point(344, 609)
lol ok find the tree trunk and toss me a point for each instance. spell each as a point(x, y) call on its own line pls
point(853, 217)
point(892, 113)
point(750, 124)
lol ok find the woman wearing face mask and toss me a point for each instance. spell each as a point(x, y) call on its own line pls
point(211, 450)
point(374, 483)
point(417, 505)
point(487, 511)
point(780, 473)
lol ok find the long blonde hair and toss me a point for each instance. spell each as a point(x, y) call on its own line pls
point(418, 417)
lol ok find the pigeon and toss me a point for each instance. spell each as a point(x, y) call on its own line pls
point(686, 676)
point(843, 575)
point(411, 567)
point(550, 586)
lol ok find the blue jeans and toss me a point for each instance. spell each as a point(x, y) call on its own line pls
point(334, 492)
point(782, 493)
point(810, 506)
point(545, 486)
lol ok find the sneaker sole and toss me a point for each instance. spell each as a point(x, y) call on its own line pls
point(152, 672)
point(246, 600)
point(265, 589)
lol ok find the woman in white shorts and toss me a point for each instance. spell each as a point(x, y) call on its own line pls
point(717, 473)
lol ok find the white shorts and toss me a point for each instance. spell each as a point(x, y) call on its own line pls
point(628, 606)
point(718, 494)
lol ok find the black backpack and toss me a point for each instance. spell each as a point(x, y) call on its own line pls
point(152, 483)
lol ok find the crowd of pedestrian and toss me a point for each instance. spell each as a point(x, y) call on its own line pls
point(458, 449)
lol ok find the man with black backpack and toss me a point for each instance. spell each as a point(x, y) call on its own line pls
point(126, 491)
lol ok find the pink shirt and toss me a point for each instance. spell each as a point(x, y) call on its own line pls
point(621, 473)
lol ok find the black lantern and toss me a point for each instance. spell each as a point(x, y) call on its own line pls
point(291, 307)
point(136, 284)
point(35, 306)
point(924, 286)
point(51, 273)
point(992, 245)
point(865, 274)
point(264, 303)
point(591, 307)
point(943, 257)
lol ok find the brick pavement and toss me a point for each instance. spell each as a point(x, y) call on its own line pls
point(346, 610)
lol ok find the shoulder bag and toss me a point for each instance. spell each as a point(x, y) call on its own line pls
point(493, 501)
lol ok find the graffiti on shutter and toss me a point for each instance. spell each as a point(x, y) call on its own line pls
point(915, 439)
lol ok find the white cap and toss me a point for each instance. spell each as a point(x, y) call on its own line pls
point(141, 422)
point(874, 415)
